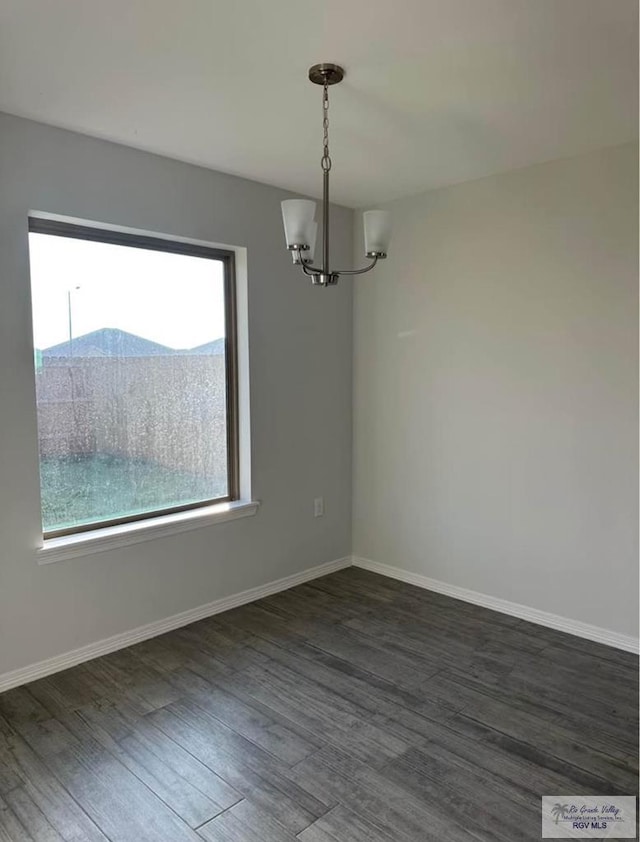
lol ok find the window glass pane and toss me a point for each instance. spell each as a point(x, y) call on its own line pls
point(130, 379)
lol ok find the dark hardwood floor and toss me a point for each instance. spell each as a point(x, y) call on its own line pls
point(354, 708)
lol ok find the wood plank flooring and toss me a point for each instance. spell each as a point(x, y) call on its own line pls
point(351, 709)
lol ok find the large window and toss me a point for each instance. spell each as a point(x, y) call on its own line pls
point(134, 344)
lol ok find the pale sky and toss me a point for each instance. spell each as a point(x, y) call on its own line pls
point(174, 299)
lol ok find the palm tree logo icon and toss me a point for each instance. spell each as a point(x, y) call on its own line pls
point(559, 811)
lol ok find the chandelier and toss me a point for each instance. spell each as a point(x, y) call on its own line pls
point(300, 227)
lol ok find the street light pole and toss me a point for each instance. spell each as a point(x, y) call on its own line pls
point(70, 321)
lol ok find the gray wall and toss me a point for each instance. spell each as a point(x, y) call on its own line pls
point(300, 357)
point(496, 389)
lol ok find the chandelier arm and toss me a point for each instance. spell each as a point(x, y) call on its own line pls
point(307, 269)
point(358, 271)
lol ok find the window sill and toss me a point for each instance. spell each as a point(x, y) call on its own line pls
point(111, 537)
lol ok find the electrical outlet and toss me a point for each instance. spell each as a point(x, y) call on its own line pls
point(318, 507)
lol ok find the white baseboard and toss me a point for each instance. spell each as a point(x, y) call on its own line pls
point(524, 612)
point(128, 638)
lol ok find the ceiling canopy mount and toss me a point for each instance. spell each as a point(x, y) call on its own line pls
point(326, 74)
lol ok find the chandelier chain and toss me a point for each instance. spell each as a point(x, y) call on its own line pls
point(326, 160)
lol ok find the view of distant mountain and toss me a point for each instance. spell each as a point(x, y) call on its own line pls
point(112, 342)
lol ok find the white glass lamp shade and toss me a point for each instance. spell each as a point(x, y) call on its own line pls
point(377, 231)
point(312, 236)
point(297, 215)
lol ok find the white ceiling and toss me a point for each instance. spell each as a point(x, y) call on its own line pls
point(436, 91)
